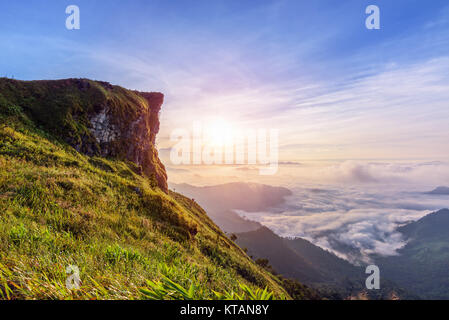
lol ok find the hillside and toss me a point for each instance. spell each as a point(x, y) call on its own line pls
point(81, 184)
point(263, 243)
point(422, 266)
point(299, 259)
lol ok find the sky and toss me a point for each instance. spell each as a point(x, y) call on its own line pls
point(310, 69)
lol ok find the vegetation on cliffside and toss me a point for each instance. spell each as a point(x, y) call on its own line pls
point(62, 205)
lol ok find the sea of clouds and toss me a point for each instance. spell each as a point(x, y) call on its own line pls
point(354, 208)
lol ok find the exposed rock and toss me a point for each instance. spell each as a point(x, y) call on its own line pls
point(132, 135)
point(96, 118)
point(102, 129)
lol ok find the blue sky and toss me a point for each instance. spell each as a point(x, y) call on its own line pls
point(309, 68)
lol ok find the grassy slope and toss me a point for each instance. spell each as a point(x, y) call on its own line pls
point(59, 208)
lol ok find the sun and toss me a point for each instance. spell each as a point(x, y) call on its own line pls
point(218, 132)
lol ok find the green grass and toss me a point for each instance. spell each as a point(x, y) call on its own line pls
point(128, 238)
point(166, 289)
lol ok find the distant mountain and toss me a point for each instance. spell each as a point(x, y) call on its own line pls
point(440, 191)
point(220, 201)
point(422, 266)
point(264, 243)
point(334, 277)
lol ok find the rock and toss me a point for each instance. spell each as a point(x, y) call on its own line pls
point(132, 137)
point(97, 119)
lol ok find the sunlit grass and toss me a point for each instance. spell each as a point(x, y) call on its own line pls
point(60, 208)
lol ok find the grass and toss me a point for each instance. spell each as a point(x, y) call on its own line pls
point(129, 239)
point(166, 289)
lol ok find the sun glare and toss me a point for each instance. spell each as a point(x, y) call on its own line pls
point(218, 132)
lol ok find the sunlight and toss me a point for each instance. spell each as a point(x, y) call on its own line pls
point(218, 132)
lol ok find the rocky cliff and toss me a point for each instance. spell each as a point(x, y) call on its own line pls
point(96, 118)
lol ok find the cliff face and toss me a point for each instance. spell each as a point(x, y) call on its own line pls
point(96, 118)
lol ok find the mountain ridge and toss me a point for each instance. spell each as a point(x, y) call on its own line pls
point(422, 265)
point(299, 259)
point(439, 191)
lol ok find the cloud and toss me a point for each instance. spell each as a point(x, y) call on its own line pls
point(398, 172)
point(356, 215)
point(370, 231)
point(290, 163)
point(357, 172)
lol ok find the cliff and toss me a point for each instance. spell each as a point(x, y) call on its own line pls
point(96, 118)
point(81, 185)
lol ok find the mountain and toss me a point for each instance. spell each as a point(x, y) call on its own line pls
point(82, 190)
point(422, 266)
point(440, 191)
point(263, 243)
point(220, 201)
point(299, 259)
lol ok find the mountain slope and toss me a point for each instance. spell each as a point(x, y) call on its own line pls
point(79, 186)
point(422, 266)
point(299, 259)
point(263, 243)
point(440, 191)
